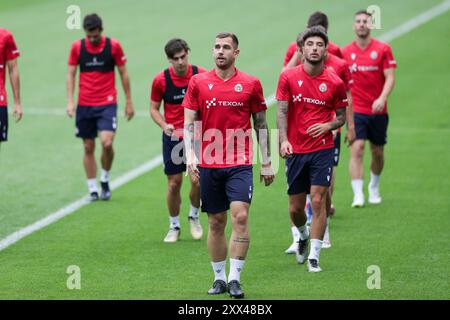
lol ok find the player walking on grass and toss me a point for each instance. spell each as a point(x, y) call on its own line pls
point(8, 59)
point(372, 65)
point(170, 85)
point(96, 112)
point(340, 67)
point(306, 96)
point(223, 101)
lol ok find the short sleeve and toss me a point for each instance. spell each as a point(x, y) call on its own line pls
point(283, 91)
point(74, 55)
point(388, 59)
point(157, 89)
point(11, 48)
point(340, 98)
point(190, 100)
point(288, 56)
point(258, 103)
point(119, 56)
point(346, 76)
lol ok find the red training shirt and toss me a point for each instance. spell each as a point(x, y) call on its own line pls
point(97, 88)
point(311, 100)
point(224, 109)
point(8, 51)
point(367, 67)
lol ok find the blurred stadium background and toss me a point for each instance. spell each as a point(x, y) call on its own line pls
point(118, 245)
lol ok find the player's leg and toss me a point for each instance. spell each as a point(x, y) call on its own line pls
point(173, 200)
point(296, 178)
point(377, 138)
point(86, 129)
point(106, 124)
point(194, 219)
point(215, 202)
point(356, 159)
point(297, 213)
point(239, 244)
point(106, 159)
point(239, 191)
point(217, 248)
point(318, 203)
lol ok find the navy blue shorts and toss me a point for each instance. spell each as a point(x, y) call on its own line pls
point(221, 186)
point(337, 149)
point(309, 169)
point(372, 127)
point(173, 155)
point(3, 124)
point(90, 120)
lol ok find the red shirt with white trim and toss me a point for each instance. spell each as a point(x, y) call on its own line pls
point(332, 48)
point(311, 100)
point(173, 113)
point(224, 109)
point(8, 51)
point(367, 67)
point(97, 88)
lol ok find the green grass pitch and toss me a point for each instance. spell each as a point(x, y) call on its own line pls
point(118, 245)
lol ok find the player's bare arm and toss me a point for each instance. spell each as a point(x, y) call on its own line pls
point(129, 110)
point(318, 129)
point(378, 104)
point(350, 134)
point(71, 74)
point(262, 135)
point(13, 70)
point(191, 159)
point(285, 146)
point(159, 119)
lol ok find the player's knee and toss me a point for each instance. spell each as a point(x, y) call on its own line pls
point(318, 200)
point(377, 153)
point(295, 208)
point(241, 218)
point(89, 148)
point(174, 186)
point(107, 145)
point(216, 226)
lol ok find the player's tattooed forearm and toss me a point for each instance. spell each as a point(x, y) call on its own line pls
point(262, 134)
point(282, 119)
point(340, 119)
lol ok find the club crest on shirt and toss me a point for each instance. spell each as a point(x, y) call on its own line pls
point(210, 86)
point(238, 87)
point(300, 83)
point(323, 87)
point(374, 55)
point(353, 56)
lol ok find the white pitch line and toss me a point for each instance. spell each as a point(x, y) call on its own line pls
point(130, 175)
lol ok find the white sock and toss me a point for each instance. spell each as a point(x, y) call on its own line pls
point(374, 180)
point(193, 212)
point(326, 236)
point(174, 222)
point(304, 232)
point(314, 253)
point(357, 186)
point(104, 176)
point(236, 267)
point(92, 185)
point(219, 270)
point(295, 233)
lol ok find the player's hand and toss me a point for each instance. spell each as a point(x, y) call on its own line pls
point(267, 174)
point(129, 110)
point(318, 129)
point(168, 129)
point(334, 132)
point(350, 136)
point(17, 112)
point(70, 109)
point(378, 105)
point(285, 149)
point(192, 169)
